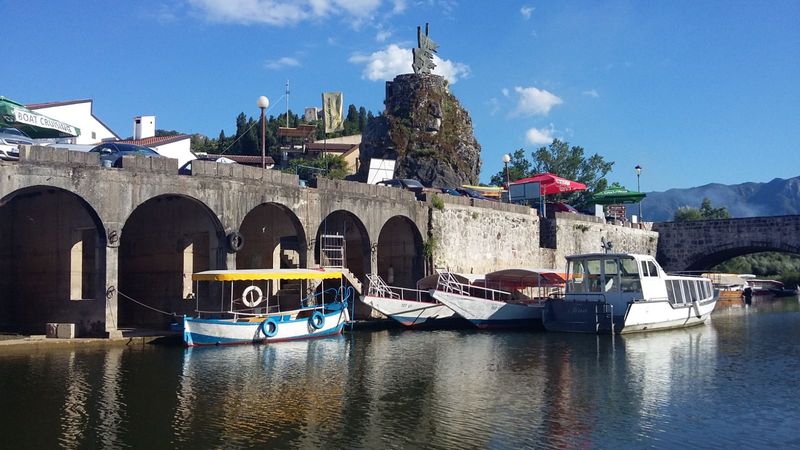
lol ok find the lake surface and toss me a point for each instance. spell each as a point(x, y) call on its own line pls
point(730, 383)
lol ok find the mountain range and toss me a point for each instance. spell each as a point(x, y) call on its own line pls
point(775, 198)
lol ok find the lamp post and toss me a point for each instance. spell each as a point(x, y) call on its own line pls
point(263, 103)
point(638, 169)
point(506, 160)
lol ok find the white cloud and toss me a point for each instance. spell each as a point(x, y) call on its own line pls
point(280, 63)
point(394, 60)
point(539, 136)
point(591, 93)
point(383, 35)
point(505, 92)
point(526, 11)
point(285, 12)
point(533, 101)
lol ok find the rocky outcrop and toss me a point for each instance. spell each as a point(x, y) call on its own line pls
point(428, 133)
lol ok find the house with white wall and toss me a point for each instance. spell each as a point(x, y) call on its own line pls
point(77, 113)
point(176, 146)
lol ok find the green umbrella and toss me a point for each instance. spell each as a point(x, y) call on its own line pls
point(616, 195)
point(35, 125)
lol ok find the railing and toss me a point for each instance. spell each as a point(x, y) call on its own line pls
point(604, 311)
point(378, 288)
point(448, 283)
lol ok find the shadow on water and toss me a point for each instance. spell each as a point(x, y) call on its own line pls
point(435, 389)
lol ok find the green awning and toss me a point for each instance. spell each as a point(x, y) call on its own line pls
point(35, 125)
point(616, 195)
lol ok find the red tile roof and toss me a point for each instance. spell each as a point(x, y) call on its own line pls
point(302, 131)
point(156, 140)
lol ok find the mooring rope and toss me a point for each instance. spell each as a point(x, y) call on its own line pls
point(147, 306)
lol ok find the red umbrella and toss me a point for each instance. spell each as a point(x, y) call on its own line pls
point(553, 184)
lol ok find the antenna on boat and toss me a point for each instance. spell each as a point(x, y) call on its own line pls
point(606, 246)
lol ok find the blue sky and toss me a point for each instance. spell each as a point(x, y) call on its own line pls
point(694, 92)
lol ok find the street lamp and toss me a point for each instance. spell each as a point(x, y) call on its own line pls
point(638, 169)
point(263, 103)
point(506, 160)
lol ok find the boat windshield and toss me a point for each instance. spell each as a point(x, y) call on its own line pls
point(603, 274)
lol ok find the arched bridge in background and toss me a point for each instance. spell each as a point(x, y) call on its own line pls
point(702, 244)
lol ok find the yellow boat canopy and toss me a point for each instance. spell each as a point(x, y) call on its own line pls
point(267, 274)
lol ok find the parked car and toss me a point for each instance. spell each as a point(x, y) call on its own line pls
point(471, 193)
point(560, 207)
point(111, 153)
point(186, 169)
point(404, 183)
point(10, 140)
point(451, 191)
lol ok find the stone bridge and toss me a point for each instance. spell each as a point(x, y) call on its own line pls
point(702, 244)
point(108, 248)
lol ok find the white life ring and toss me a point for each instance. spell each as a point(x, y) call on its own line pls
point(251, 300)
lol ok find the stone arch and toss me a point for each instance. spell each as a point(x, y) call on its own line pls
point(52, 261)
point(712, 257)
point(356, 238)
point(400, 255)
point(163, 241)
point(273, 238)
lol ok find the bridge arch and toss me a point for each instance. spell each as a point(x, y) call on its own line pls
point(701, 244)
point(163, 241)
point(273, 238)
point(356, 239)
point(400, 256)
point(52, 261)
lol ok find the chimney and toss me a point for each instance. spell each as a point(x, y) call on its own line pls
point(144, 127)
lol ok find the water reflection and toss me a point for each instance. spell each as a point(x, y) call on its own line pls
point(433, 389)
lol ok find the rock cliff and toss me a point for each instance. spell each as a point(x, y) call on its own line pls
point(428, 133)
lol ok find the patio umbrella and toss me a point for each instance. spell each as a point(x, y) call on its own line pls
point(616, 195)
point(553, 184)
point(35, 125)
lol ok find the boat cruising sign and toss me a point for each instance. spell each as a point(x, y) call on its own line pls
point(268, 305)
point(622, 293)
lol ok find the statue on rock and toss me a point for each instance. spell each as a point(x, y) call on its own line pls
point(423, 128)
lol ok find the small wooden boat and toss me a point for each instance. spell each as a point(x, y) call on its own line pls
point(258, 306)
point(622, 293)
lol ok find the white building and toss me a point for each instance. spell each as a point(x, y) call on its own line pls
point(77, 113)
point(177, 146)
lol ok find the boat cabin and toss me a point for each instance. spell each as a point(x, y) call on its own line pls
point(620, 278)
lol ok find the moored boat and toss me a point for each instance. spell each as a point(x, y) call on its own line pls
point(511, 298)
point(409, 307)
point(623, 293)
point(252, 308)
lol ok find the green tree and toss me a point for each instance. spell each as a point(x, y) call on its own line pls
point(518, 168)
point(706, 212)
point(567, 162)
point(330, 166)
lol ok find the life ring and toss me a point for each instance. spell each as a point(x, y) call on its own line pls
point(235, 241)
point(317, 320)
point(248, 296)
point(269, 327)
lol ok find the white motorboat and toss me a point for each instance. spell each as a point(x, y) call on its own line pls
point(410, 307)
point(623, 293)
point(510, 298)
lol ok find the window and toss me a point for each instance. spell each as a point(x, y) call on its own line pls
point(651, 268)
point(629, 275)
point(611, 267)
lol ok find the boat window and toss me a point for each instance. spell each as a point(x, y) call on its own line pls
point(644, 269)
point(651, 268)
point(629, 275)
point(584, 276)
point(676, 286)
point(670, 291)
point(612, 275)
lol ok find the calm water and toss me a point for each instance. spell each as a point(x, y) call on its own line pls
point(731, 383)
